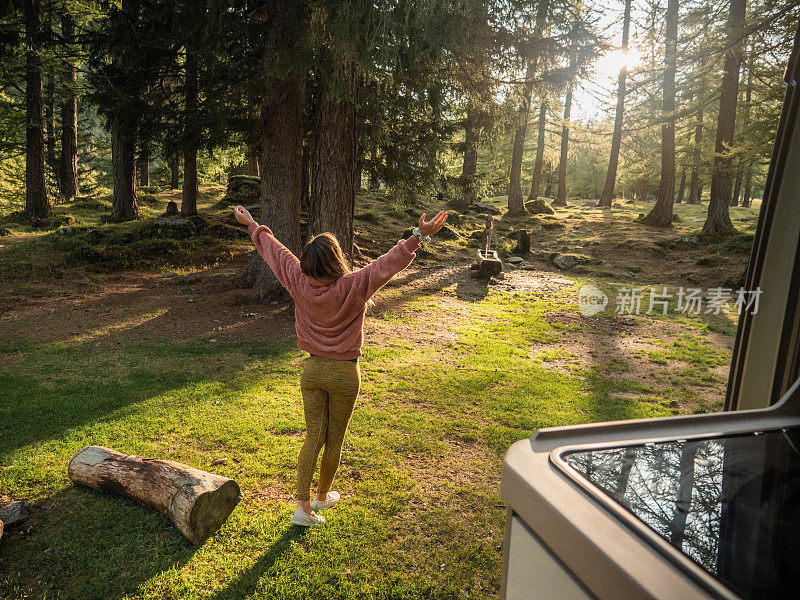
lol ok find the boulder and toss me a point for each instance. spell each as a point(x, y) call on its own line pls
point(242, 189)
point(485, 207)
point(515, 260)
point(539, 207)
point(564, 261)
point(172, 227)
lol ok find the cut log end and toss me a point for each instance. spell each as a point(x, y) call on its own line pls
point(211, 510)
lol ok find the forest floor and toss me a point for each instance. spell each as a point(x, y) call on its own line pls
point(136, 350)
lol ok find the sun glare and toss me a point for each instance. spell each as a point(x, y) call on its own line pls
point(611, 63)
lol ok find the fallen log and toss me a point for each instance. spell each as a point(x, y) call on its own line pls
point(197, 502)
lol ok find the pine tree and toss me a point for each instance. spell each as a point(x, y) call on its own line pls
point(37, 206)
point(718, 219)
point(611, 176)
point(661, 215)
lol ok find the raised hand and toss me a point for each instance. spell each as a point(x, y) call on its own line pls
point(242, 215)
point(432, 226)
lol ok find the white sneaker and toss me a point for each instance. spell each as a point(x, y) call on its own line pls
point(300, 517)
point(332, 499)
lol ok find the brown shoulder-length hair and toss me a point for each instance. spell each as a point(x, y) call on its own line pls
point(323, 259)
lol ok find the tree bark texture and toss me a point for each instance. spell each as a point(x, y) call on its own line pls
point(190, 135)
point(607, 197)
point(197, 502)
point(718, 219)
point(661, 215)
point(561, 197)
point(37, 206)
point(536, 179)
point(516, 205)
point(68, 169)
point(280, 144)
point(123, 151)
point(333, 185)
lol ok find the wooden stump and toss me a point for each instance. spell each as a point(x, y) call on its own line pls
point(488, 263)
point(197, 502)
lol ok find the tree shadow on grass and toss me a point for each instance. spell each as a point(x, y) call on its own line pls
point(247, 583)
point(81, 544)
point(52, 392)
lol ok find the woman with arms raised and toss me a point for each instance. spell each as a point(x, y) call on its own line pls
point(330, 300)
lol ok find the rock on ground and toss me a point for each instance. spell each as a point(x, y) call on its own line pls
point(539, 207)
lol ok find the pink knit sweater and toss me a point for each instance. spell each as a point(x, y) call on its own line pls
point(329, 317)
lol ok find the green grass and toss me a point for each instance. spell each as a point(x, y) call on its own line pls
point(197, 401)
point(422, 516)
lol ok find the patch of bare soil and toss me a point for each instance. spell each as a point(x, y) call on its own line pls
point(139, 307)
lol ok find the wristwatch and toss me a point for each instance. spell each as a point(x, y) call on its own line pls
point(422, 238)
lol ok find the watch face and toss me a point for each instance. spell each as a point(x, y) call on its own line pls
point(731, 504)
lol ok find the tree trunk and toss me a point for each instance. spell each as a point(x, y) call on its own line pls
point(607, 196)
point(123, 166)
point(661, 215)
point(746, 200)
point(37, 205)
point(694, 182)
point(469, 166)
point(305, 179)
point(252, 161)
point(644, 189)
point(536, 180)
point(515, 203)
point(718, 219)
point(373, 183)
point(68, 170)
point(175, 172)
point(333, 184)
point(548, 191)
point(281, 129)
point(682, 187)
point(50, 124)
point(190, 135)
point(561, 198)
point(737, 188)
point(748, 165)
point(143, 166)
point(197, 502)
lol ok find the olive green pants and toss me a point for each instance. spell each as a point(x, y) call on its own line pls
point(329, 389)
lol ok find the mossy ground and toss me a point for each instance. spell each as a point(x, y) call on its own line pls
point(455, 369)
